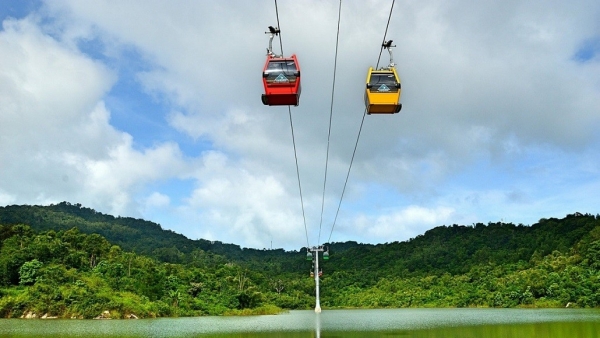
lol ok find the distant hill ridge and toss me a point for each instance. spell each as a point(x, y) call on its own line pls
point(132, 234)
point(452, 249)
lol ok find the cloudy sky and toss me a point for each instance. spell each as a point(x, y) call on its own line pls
point(151, 109)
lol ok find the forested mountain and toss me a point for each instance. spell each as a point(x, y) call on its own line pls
point(452, 249)
point(137, 235)
point(141, 236)
point(69, 260)
point(455, 249)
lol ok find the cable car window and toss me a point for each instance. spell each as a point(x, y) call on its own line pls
point(281, 72)
point(383, 83)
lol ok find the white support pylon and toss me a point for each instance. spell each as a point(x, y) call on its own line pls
point(316, 251)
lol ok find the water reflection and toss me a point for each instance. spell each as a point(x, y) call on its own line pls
point(318, 325)
point(418, 323)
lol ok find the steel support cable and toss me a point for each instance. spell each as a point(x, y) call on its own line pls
point(347, 175)
point(293, 139)
point(359, 132)
point(298, 175)
point(384, 34)
point(279, 26)
point(337, 39)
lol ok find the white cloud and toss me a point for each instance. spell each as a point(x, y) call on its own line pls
point(116, 178)
point(44, 86)
point(403, 224)
point(491, 94)
point(248, 208)
point(57, 142)
point(157, 200)
point(6, 199)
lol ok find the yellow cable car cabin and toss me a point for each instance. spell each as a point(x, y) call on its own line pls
point(382, 95)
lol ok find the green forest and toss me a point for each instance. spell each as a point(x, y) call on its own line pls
point(68, 261)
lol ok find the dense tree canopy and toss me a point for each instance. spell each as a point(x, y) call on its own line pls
point(70, 261)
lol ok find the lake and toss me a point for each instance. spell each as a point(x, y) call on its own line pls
point(447, 323)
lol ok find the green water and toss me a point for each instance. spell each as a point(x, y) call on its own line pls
point(447, 323)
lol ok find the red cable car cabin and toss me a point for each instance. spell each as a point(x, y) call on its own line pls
point(281, 79)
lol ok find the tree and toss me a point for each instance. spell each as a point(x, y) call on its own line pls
point(29, 272)
point(278, 286)
point(96, 246)
point(593, 255)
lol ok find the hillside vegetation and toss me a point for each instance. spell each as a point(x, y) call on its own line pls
point(68, 261)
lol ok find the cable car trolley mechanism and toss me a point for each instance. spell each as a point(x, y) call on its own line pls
point(281, 77)
point(382, 95)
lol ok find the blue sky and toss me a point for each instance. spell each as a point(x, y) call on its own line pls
point(151, 109)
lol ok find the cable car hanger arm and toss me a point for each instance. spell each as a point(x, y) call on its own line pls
point(388, 45)
point(273, 31)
